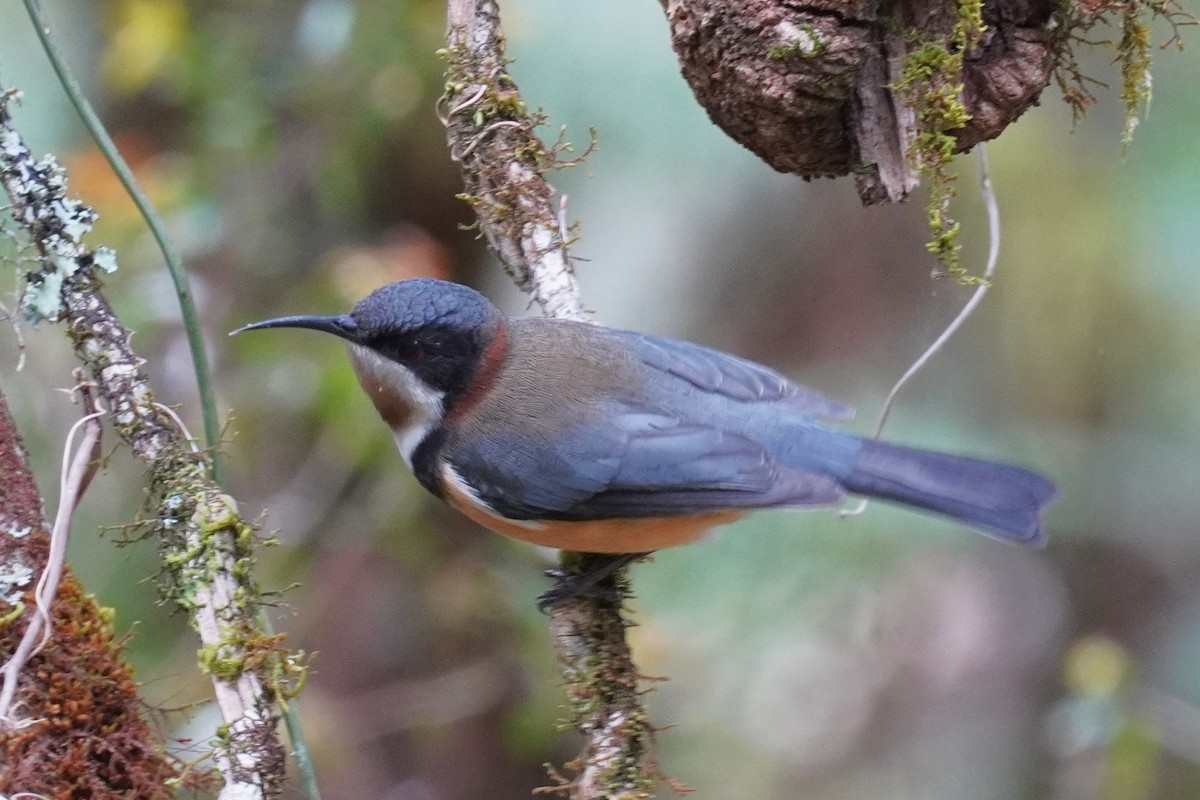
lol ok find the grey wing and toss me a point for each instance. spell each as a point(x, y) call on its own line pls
point(637, 465)
point(736, 378)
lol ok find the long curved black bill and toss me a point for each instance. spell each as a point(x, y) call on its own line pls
point(343, 327)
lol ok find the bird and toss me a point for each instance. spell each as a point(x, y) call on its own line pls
point(592, 439)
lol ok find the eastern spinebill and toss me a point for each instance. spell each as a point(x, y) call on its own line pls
point(592, 439)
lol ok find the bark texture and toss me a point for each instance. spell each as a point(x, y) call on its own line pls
point(807, 86)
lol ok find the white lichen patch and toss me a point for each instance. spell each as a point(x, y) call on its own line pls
point(105, 258)
point(13, 578)
point(43, 297)
point(62, 254)
point(117, 371)
point(40, 203)
point(10, 144)
point(806, 41)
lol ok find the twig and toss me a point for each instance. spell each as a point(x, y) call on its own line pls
point(206, 546)
point(491, 134)
point(18, 334)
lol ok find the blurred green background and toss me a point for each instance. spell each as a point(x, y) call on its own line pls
point(294, 149)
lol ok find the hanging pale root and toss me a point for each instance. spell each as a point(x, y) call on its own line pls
point(973, 302)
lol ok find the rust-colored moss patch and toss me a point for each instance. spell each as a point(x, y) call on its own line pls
point(92, 739)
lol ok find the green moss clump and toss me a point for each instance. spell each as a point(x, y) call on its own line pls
point(1133, 52)
point(932, 85)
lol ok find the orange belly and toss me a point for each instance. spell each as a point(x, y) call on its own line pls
point(637, 535)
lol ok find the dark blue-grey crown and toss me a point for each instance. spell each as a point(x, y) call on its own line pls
point(440, 331)
point(422, 303)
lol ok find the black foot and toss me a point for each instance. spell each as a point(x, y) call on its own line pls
point(594, 581)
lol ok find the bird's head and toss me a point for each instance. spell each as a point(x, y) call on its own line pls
point(416, 345)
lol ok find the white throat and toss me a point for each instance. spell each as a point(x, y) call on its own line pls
point(393, 386)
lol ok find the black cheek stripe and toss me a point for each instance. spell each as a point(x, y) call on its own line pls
point(425, 461)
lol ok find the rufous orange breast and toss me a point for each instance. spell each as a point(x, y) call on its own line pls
point(622, 535)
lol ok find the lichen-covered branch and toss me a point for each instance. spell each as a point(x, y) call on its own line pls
point(77, 723)
point(491, 134)
point(206, 546)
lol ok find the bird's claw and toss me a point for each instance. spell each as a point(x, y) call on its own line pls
point(567, 589)
point(594, 582)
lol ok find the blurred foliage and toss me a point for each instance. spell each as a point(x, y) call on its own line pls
point(294, 150)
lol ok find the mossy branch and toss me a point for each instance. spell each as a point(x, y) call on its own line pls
point(207, 548)
point(504, 162)
point(491, 134)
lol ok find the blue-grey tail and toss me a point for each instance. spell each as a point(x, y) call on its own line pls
point(998, 499)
